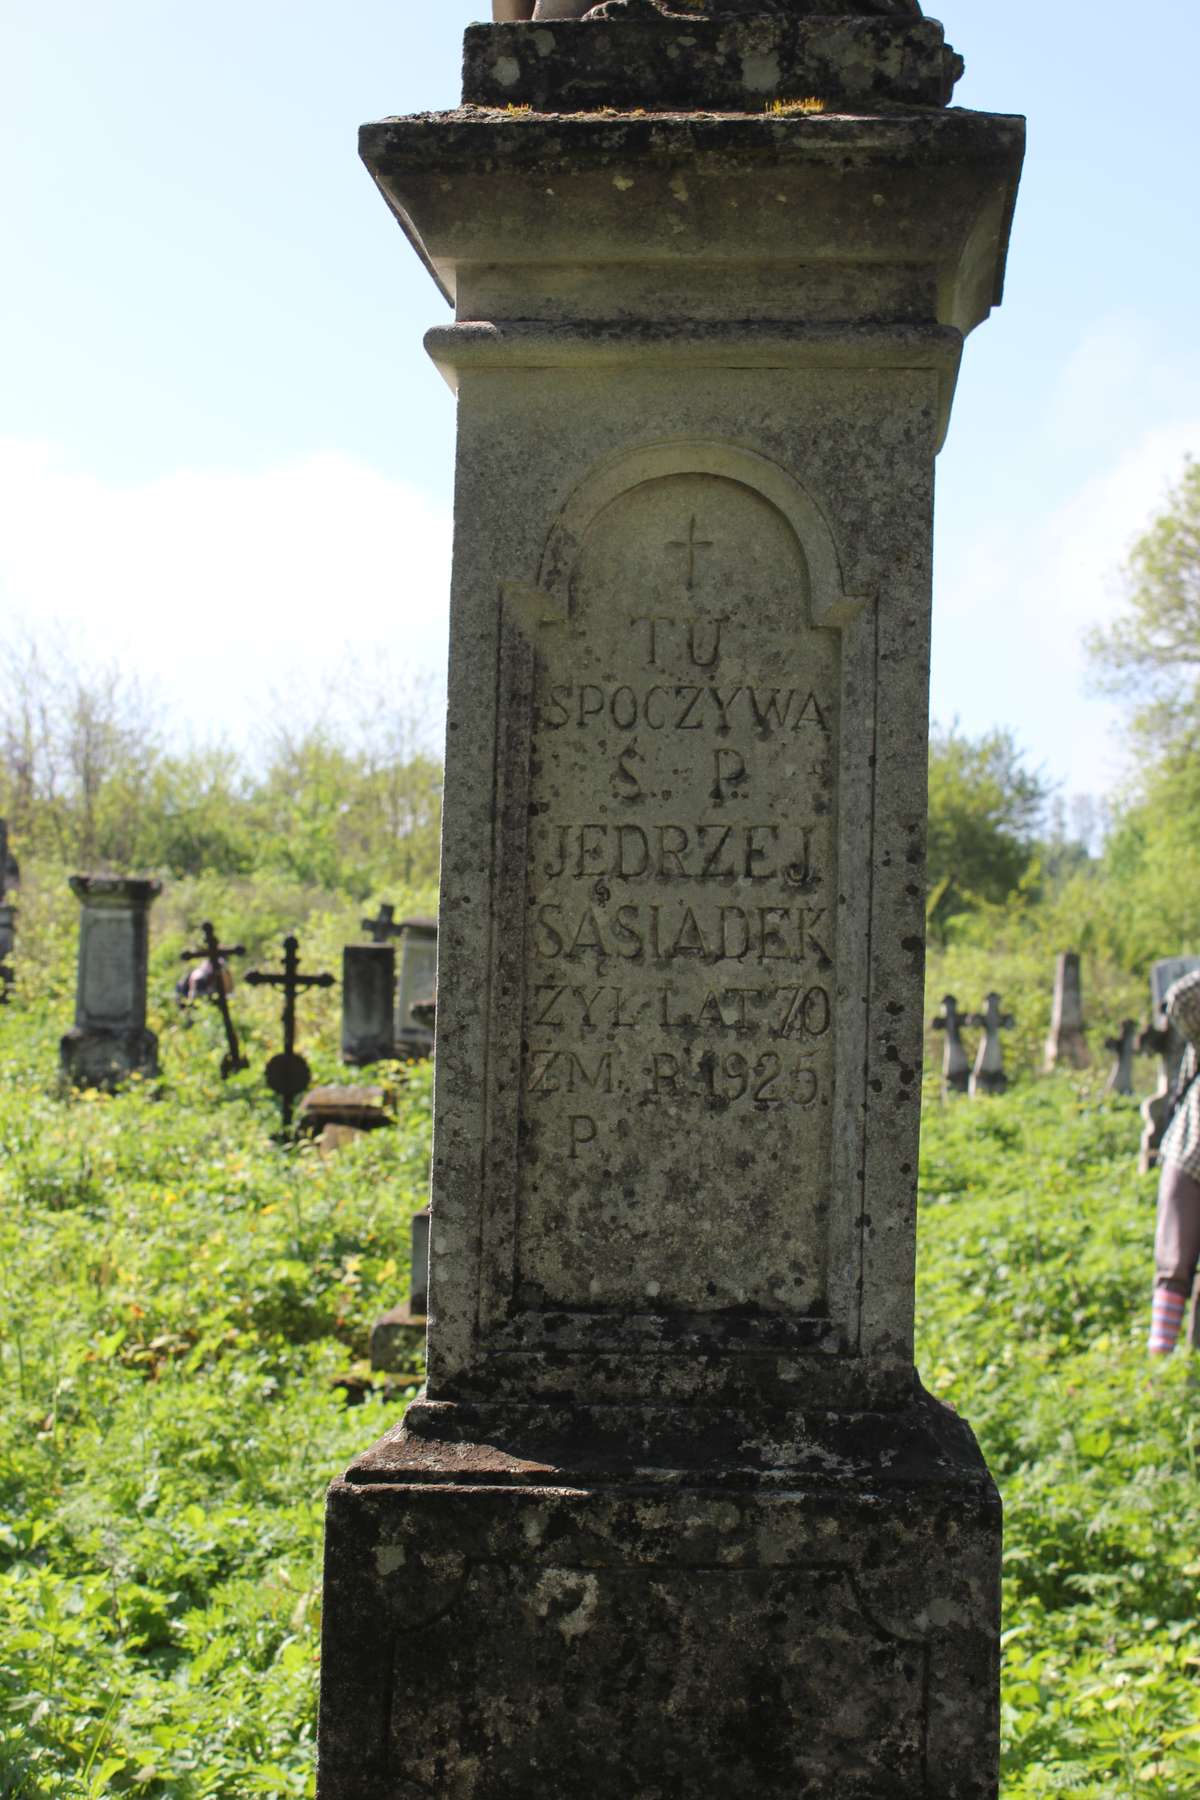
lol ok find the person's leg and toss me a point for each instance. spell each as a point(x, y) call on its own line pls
point(1176, 1253)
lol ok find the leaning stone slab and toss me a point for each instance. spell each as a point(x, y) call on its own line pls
point(109, 1040)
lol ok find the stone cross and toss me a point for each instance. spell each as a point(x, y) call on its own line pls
point(988, 1075)
point(1067, 1042)
point(384, 926)
point(110, 1041)
point(1162, 1040)
point(956, 1069)
point(368, 1003)
point(672, 1423)
point(288, 1074)
point(217, 956)
point(1120, 1080)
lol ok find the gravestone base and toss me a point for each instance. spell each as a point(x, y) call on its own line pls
point(813, 1610)
point(93, 1058)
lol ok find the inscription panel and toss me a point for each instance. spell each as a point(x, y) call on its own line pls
point(107, 988)
point(681, 890)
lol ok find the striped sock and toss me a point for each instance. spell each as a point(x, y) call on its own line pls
point(1165, 1320)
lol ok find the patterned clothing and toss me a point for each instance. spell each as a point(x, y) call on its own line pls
point(1181, 1145)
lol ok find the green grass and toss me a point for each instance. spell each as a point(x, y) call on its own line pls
point(1033, 1303)
point(178, 1293)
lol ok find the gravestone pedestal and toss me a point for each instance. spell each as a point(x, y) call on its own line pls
point(674, 1516)
point(110, 1041)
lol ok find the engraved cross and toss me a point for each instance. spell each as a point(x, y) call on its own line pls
point(691, 544)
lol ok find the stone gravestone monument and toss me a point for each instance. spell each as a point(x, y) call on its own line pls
point(956, 1068)
point(1124, 1047)
point(368, 1003)
point(418, 976)
point(109, 1040)
point(8, 919)
point(989, 1075)
point(1162, 1040)
point(1067, 1042)
point(674, 1516)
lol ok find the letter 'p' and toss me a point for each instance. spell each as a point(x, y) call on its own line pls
point(583, 1132)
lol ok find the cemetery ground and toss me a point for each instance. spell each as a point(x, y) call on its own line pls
point(179, 1295)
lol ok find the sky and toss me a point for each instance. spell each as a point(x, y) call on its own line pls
point(225, 458)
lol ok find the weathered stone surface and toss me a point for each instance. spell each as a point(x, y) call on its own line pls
point(504, 1629)
point(735, 64)
point(690, 10)
point(673, 1516)
point(368, 1003)
point(110, 1040)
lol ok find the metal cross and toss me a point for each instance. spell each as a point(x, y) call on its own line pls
point(385, 926)
point(691, 544)
point(288, 1075)
point(233, 1062)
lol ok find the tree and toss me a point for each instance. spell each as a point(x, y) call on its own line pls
point(78, 746)
point(985, 811)
point(1152, 653)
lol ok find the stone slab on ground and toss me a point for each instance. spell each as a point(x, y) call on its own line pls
point(364, 1108)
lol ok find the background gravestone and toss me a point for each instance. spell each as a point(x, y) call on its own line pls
point(395, 1335)
point(8, 917)
point(1161, 1039)
point(989, 1075)
point(368, 1003)
point(110, 1040)
point(956, 1066)
point(1123, 1047)
point(674, 1516)
point(1067, 1042)
point(418, 976)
